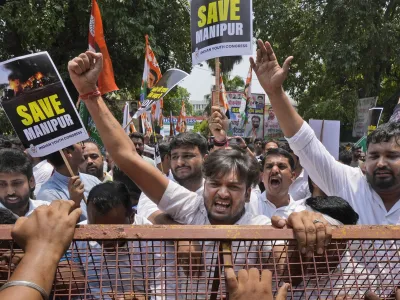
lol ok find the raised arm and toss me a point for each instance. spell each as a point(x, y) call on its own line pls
point(271, 77)
point(84, 72)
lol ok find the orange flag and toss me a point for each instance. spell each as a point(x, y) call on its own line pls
point(97, 43)
point(181, 125)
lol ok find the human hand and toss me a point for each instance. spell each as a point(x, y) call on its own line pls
point(218, 124)
point(84, 71)
point(249, 286)
point(76, 190)
point(372, 296)
point(49, 229)
point(189, 254)
point(270, 75)
point(241, 143)
point(310, 229)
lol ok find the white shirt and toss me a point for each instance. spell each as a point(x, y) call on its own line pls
point(187, 207)
point(337, 179)
point(139, 264)
point(262, 206)
point(33, 204)
point(146, 207)
point(41, 172)
point(299, 188)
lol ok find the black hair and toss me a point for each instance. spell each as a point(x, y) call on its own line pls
point(189, 139)
point(271, 141)
point(7, 217)
point(345, 157)
point(133, 189)
point(15, 161)
point(256, 117)
point(137, 135)
point(257, 140)
point(384, 133)
point(285, 146)
point(164, 149)
point(335, 207)
point(355, 148)
point(56, 159)
point(279, 152)
point(223, 161)
point(109, 195)
point(310, 185)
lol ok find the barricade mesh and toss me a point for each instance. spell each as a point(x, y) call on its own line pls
point(188, 262)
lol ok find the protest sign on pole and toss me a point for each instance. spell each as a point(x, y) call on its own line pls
point(328, 132)
point(169, 80)
point(374, 116)
point(255, 125)
point(272, 130)
point(362, 112)
point(38, 105)
point(220, 28)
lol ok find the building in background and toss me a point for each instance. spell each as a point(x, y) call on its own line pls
point(199, 105)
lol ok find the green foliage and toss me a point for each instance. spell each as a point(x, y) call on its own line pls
point(227, 63)
point(5, 125)
point(173, 102)
point(202, 128)
point(343, 50)
point(61, 28)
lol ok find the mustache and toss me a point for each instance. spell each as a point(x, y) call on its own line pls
point(383, 169)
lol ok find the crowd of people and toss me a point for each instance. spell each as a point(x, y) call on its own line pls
point(295, 183)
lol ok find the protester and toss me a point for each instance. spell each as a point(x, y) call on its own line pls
point(374, 196)
point(109, 203)
point(187, 152)
point(42, 171)
point(277, 176)
point(16, 183)
point(44, 236)
point(57, 187)
point(345, 157)
point(139, 141)
point(270, 144)
point(258, 147)
point(133, 190)
point(356, 155)
point(165, 158)
point(94, 162)
point(229, 174)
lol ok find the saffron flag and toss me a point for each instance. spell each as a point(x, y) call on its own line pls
point(181, 125)
point(151, 71)
point(97, 43)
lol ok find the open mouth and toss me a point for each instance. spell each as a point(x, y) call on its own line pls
point(222, 206)
point(275, 182)
point(12, 199)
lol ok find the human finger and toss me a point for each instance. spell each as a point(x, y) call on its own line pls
point(282, 292)
point(263, 49)
point(74, 67)
point(243, 276)
point(311, 234)
point(371, 296)
point(286, 64)
point(96, 59)
point(231, 281)
point(253, 64)
point(266, 278)
point(81, 64)
point(85, 60)
point(295, 222)
point(270, 51)
point(278, 222)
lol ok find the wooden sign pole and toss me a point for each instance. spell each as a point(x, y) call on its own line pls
point(69, 169)
point(217, 83)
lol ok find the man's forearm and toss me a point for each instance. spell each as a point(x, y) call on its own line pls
point(152, 182)
point(38, 268)
point(289, 120)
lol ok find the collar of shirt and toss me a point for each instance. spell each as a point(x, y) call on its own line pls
point(33, 204)
point(265, 199)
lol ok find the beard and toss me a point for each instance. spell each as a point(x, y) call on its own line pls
point(23, 201)
point(94, 172)
point(196, 176)
point(381, 184)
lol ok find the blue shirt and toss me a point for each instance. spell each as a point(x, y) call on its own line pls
point(56, 188)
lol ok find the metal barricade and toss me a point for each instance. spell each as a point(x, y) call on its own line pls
point(188, 262)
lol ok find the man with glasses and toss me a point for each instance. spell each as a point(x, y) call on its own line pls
point(59, 185)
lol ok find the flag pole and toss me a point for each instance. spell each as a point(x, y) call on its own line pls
point(69, 169)
point(217, 82)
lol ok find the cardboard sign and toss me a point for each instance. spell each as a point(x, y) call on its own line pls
point(361, 122)
point(374, 118)
point(328, 132)
point(38, 105)
point(220, 28)
point(167, 82)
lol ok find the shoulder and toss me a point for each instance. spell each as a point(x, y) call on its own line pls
point(37, 203)
point(89, 179)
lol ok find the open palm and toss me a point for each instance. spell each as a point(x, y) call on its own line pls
point(269, 73)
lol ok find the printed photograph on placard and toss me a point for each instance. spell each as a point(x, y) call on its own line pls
point(272, 129)
point(38, 106)
point(255, 125)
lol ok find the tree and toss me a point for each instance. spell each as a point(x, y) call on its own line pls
point(343, 51)
point(227, 63)
point(173, 102)
point(61, 28)
point(202, 128)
